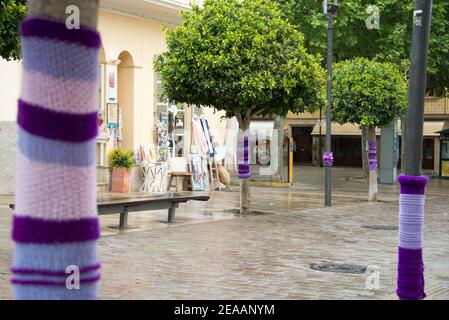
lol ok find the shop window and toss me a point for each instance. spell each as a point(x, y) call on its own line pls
point(175, 116)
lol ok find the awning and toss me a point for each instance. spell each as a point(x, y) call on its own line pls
point(444, 132)
point(431, 129)
point(347, 129)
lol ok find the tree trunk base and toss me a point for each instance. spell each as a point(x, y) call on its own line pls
point(373, 190)
point(245, 197)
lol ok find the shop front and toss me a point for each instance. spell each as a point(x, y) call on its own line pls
point(347, 145)
point(444, 153)
point(133, 115)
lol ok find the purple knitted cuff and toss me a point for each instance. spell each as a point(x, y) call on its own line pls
point(410, 274)
point(42, 27)
point(413, 184)
point(32, 230)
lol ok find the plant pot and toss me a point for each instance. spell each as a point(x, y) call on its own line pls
point(120, 180)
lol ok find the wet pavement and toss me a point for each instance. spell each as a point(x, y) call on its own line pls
point(210, 253)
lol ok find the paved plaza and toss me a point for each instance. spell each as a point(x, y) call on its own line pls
point(210, 253)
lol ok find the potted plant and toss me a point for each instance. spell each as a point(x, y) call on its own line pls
point(122, 161)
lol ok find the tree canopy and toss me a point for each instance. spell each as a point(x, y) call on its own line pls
point(368, 93)
point(11, 13)
point(391, 42)
point(242, 57)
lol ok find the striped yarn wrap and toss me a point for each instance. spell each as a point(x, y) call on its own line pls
point(410, 281)
point(328, 159)
point(243, 158)
point(372, 155)
point(55, 222)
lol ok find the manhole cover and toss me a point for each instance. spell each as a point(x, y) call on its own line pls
point(252, 213)
point(379, 227)
point(338, 267)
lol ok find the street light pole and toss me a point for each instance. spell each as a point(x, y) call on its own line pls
point(331, 11)
point(410, 281)
point(417, 88)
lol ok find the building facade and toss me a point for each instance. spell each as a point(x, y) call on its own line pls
point(129, 97)
point(346, 139)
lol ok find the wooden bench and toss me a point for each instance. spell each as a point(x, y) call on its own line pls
point(112, 203)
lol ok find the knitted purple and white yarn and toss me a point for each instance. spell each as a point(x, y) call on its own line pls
point(55, 223)
point(328, 159)
point(410, 282)
point(243, 158)
point(372, 155)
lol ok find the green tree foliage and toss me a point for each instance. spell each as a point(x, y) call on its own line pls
point(242, 57)
point(371, 94)
point(391, 43)
point(368, 93)
point(11, 13)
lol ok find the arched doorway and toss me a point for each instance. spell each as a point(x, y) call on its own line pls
point(125, 84)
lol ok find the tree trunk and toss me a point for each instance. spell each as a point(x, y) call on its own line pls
point(365, 152)
point(403, 139)
point(372, 163)
point(245, 192)
point(45, 237)
point(245, 196)
point(279, 123)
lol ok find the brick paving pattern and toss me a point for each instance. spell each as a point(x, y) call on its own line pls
point(211, 254)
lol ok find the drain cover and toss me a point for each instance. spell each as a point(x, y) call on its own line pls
point(379, 227)
point(338, 267)
point(252, 213)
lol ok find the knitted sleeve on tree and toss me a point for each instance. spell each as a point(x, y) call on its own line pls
point(410, 282)
point(55, 223)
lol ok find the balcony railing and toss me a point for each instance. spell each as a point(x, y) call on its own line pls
point(437, 106)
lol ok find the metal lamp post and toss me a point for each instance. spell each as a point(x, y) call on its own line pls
point(331, 10)
point(417, 92)
point(410, 280)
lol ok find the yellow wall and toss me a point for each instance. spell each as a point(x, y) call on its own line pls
point(136, 42)
point(10, 77)
point(142, 39)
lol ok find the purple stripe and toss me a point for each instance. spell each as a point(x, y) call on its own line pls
point(39, 27)
point(244, 171)
point(32, 230)
point(413, 184)
point(52, 283)
point(51, 272)
point(410, 274)
point(57, 125)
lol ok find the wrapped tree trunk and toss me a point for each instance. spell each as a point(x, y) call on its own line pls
point(244, 166)
point(55, 222)
point(364, 151)
point(372, 164)
point(410, 282)
point(279, 123)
